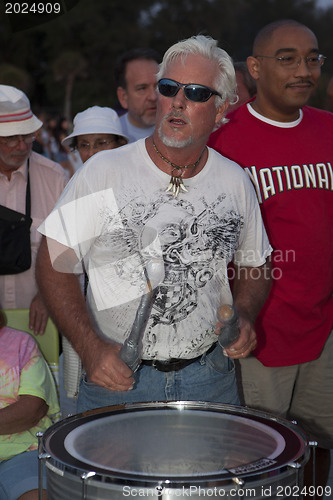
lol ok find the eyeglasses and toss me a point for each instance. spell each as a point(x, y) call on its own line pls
point(14, 140)
point(85, 146)
point(293, 62)
point(193, 91)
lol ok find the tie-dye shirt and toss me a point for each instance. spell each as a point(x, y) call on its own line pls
point(23, 371)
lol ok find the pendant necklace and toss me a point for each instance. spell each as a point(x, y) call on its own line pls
point(176, 181)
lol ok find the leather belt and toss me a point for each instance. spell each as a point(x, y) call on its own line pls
point(174, 364)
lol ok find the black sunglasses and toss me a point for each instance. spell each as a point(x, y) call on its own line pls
point(193, 91)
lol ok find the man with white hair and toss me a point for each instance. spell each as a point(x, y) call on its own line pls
point(156, 223)
point(24, 175)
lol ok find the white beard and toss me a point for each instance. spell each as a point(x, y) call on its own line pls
point(172, 142)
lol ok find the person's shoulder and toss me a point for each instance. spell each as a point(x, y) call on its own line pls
point(317, 113)
point(231, 174)
point(123, 117)
point(110, 161)
point(110, 154)
point(124, 123)
point(234, 118)
point(12, 336)
point(222, 161)
point(47, 166)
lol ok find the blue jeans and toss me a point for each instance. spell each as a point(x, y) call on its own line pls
point(19, 475)
point(211, 379)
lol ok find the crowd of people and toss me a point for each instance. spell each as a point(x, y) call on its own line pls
point(214, 166)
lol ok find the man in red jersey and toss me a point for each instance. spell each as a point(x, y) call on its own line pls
point(286, 148)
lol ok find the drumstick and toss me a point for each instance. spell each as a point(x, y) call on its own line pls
point(229, 332)
point(130, 351)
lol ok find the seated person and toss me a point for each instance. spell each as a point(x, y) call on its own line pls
point(28, 404)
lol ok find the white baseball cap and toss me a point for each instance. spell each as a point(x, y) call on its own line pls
point(95, 120)
point(16, 117)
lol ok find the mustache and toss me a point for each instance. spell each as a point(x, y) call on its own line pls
point(301, 81)
point(176, 114)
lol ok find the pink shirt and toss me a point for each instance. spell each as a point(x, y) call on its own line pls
point(47, 181)
point(23, 371)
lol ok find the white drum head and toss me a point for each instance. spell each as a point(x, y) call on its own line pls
point(175, 441)
point(168, 443)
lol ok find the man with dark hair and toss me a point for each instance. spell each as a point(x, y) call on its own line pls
point(286, 148)
point(135, 75)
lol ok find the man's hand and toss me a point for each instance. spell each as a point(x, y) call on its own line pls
point(62, 293)
point(38, 316)
point(250, 292)
point(105, 368)
point(246, 342)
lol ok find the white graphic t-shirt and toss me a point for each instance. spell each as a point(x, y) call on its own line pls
point(117, 216)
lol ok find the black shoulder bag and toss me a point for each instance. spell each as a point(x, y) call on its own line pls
point(15, 245)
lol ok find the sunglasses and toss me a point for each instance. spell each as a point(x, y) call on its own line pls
point(193, 91)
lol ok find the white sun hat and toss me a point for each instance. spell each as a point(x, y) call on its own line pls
point(16, 117)
point(95, 120)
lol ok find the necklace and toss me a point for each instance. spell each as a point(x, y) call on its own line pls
point(176, 181)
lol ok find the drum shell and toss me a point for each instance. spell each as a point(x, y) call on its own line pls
point(65, 481)
point(69, 486)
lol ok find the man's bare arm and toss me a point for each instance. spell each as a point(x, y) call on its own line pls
point(251, 287)
point(65, 302)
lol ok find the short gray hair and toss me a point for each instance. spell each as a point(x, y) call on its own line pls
point(206, 46)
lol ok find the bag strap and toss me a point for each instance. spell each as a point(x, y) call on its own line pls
point(27, 195)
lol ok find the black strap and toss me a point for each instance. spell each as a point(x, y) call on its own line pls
point(174, 365)
point(27, 195)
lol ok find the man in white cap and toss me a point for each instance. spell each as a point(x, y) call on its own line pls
point(95, 129)
point(18, 163)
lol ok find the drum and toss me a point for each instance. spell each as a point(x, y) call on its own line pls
point(174, 449)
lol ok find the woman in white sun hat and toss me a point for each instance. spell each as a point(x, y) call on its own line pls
point(95, 129)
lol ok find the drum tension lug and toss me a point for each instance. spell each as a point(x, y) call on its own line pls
point(87, 475)
point(294, 465)
point(313, 445)
point(238, 481)
point(84, 477)
point(41, 457)
point(159, 490)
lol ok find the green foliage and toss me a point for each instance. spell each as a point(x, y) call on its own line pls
point(15, 76)
point(70, 58)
